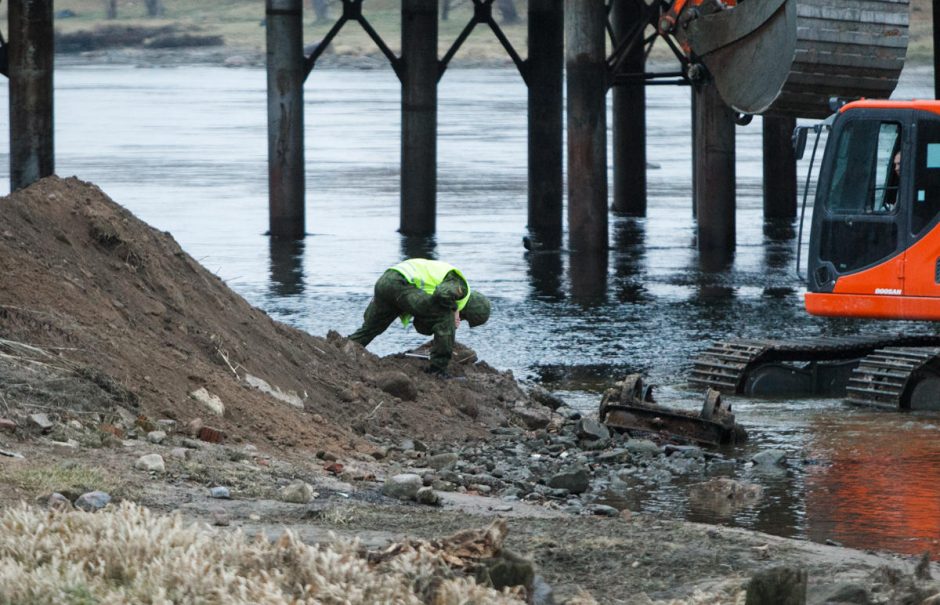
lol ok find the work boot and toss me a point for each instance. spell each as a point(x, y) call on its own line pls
point(436, 371)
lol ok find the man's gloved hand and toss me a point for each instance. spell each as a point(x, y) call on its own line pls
point(445, 298)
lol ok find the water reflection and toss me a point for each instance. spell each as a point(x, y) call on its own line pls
point(588, 277)
point(629, 259)
point(287, 266)
point(545, 275)
point(881, 488)
point(419, 246)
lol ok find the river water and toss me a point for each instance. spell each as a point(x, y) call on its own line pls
point(185, 149)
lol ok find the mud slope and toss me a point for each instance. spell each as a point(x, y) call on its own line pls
point(131, 320)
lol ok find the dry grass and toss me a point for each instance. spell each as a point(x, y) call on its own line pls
point(131, 555)
point(43, 480)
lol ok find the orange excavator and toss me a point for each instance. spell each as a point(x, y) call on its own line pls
point(874, 253)
point(875, 236)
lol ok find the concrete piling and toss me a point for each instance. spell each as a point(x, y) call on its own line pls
point(285, 67)
point(419, 76)
point(31, 45)
point(714, 155)
point(629, 116)
point(545, 79)
point(780, 187)
point(587, 125)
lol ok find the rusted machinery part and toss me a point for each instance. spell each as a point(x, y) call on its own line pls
point(632, 389)
point(897, 378)
point(789, 57)
point(711, 405)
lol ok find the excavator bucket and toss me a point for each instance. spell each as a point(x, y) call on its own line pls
point(789, 57)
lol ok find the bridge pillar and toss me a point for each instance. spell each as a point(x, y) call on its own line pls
point(780, 187)
point(587, 124)
point(285, 66)
point(629, 112)
point(418, 116)
point(713, 153)
point(32, 154)
point(545, 79)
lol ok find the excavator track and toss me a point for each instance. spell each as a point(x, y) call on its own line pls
point(726, 365)
point(893, 378)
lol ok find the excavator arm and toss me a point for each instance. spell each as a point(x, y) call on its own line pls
point(789, 57)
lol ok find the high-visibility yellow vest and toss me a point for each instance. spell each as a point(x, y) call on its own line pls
point(427, 275)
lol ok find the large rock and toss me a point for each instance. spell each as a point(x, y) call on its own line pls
point(298, 492)
point(152, 463)
point(397, 384)
point(403, 487)
point(576, 480)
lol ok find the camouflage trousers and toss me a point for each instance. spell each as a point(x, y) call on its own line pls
point(394, 296)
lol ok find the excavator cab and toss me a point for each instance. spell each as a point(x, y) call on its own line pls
point(875, 242)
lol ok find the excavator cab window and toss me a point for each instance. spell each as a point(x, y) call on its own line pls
point(926, 205)
point(861, 197)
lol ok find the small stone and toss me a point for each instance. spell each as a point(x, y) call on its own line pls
point(166, 425)
point(220, 518)
point(75, 424)
point(111, 429)
point(643, 447)
point(219, 492)
point(59, 503)
point(851, 593)
point(480, 488)
point(770, 458)
point(191, 444)
point(194, 426)
point(327, 456)
point(533, 418)
point(403, 487)
point(575, 480)
point(428, 496)
point(152, 463)
point(179, 453)
point(546, 398)
point(782, 585)
point(602, 510)
point(298, 492)
point(254, 517)
point(92, 501)
point(441, 461)
point(156, 437)
point(592, 430)
point(211, 402)
point(41, 422)
point(397, 384)
point(7, 425)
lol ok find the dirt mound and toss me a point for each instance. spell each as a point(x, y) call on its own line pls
point(99, 311)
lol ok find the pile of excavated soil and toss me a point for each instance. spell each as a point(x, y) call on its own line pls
point(99, 311)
